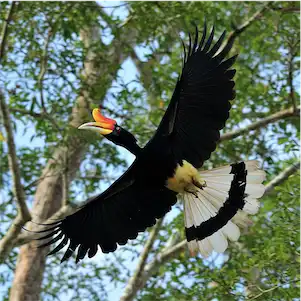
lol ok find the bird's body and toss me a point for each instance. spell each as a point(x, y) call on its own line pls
point(215, 202)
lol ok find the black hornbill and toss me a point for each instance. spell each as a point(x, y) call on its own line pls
point(216, 201)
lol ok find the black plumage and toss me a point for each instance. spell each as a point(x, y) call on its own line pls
point(188, 132)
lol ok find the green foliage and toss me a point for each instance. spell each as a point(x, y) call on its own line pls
point(263, 265)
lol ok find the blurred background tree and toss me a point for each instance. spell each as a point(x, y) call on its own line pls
point(58, 60)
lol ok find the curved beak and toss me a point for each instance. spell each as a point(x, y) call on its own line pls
point(99, 127)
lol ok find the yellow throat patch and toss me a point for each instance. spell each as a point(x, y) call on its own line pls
point(186, 178)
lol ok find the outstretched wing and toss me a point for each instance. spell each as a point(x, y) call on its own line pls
point(110, 219)
point(200, 103)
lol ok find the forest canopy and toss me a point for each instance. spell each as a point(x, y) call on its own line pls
point(58, 61)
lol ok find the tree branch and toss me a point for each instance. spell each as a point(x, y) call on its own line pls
point(239, 29)
point(134, 283)
point(26, 112)
point(6, 243)
point(43, 114)
point(151, 268)
point(23, 213)
point(262, 292)
point(261, 123)
point(113, 112)
point(287, 9)
point(4, 32)
point(284, 175)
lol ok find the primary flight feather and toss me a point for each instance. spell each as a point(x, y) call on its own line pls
point(216, 201)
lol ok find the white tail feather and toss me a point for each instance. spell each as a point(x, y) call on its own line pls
point(205, 203)
point(231, 231)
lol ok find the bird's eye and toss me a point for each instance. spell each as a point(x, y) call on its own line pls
point(117, 128)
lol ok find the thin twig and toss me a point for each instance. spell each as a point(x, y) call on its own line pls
point(270, 289)
point(290, 77)
point(26, 112)
point(116, 6)
point(113, 112)
point(65, 194)
point(287, 9)
point(34, 114)
point(239, 29)
point(98, 178)
point(133, 284)
point(43, 69)
point(145, 71)
point(40, 81)
point(4, 33)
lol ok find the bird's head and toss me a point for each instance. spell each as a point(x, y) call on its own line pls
point(109, 129)
point(102, 125)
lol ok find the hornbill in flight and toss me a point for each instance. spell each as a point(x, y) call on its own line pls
point(216, 201)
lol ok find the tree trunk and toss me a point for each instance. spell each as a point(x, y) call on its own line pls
point(48, 198)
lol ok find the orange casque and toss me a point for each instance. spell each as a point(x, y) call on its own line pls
point(105, 122)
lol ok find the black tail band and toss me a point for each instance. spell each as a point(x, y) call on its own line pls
point(235, 201)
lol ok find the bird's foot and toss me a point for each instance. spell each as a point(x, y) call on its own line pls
point(198, 184)
point(192, 192)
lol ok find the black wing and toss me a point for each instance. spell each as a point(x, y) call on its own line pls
point(110, 218)
point(200, 103)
